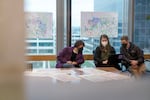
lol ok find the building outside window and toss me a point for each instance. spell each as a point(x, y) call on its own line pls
point(78, 6)
point(141, 35)
point(38, 45)
point(38, 11)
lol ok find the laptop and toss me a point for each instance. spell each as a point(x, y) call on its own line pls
point(115, 58)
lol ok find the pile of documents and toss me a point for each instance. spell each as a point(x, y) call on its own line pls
point(76, 74)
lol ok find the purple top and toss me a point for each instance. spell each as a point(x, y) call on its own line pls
point(65, 55)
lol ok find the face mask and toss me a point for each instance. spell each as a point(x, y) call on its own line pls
point(124, 45)
point(104, 44)
point(80, 49)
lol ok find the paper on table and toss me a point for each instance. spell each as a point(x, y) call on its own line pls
point(65, 77)
point(89, 71)
point(103, 76)
point(41, 72)
point(37, 74)
point(48, 73)
point(95, 78)
point(45, 72)
point(114, 76)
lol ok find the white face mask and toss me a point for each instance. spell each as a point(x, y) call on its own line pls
point(105, 43)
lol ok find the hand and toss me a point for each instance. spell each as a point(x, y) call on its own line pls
point(69, 62)
point(74, 63)
point(105, 62)
point(134, 62)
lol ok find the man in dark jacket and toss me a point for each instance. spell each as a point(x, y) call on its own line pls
point(133, 58)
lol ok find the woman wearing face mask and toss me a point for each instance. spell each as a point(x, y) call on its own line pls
point(71, 56)
point(103, 52)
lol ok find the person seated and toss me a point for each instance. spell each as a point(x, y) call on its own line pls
point(133, 57)
point(70, 57)
point(103, 52)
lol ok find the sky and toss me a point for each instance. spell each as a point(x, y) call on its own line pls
point(50, 6)
point(40, 5)
point(78, 6)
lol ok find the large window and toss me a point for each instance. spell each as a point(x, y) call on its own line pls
point(48, 24)
point(142, 24)
point(115, 6)
point(40, 26)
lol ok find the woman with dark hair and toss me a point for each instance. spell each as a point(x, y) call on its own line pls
point(71, 56)
point(103, 52)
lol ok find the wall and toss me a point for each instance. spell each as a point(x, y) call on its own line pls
point(11, 49)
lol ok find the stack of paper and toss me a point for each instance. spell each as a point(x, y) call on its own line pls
point(70, 75)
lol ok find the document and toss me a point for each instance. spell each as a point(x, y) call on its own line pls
point(37, 74)
point(76, 74)
point(89, 71)
point(65, 77)
point(95, 78)
point(115, 76)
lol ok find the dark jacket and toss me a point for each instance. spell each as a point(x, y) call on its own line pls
point(97, 55)
point(133, 53)
point(65, 55)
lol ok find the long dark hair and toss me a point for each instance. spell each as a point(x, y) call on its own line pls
point(108, 47)
point(78, 43)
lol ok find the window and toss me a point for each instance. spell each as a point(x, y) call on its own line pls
point(78, 6)
point(41, 44)
point(40, 26)
point(32, 51)
point(45, 44)
point(141, 35)
point(32, 44)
